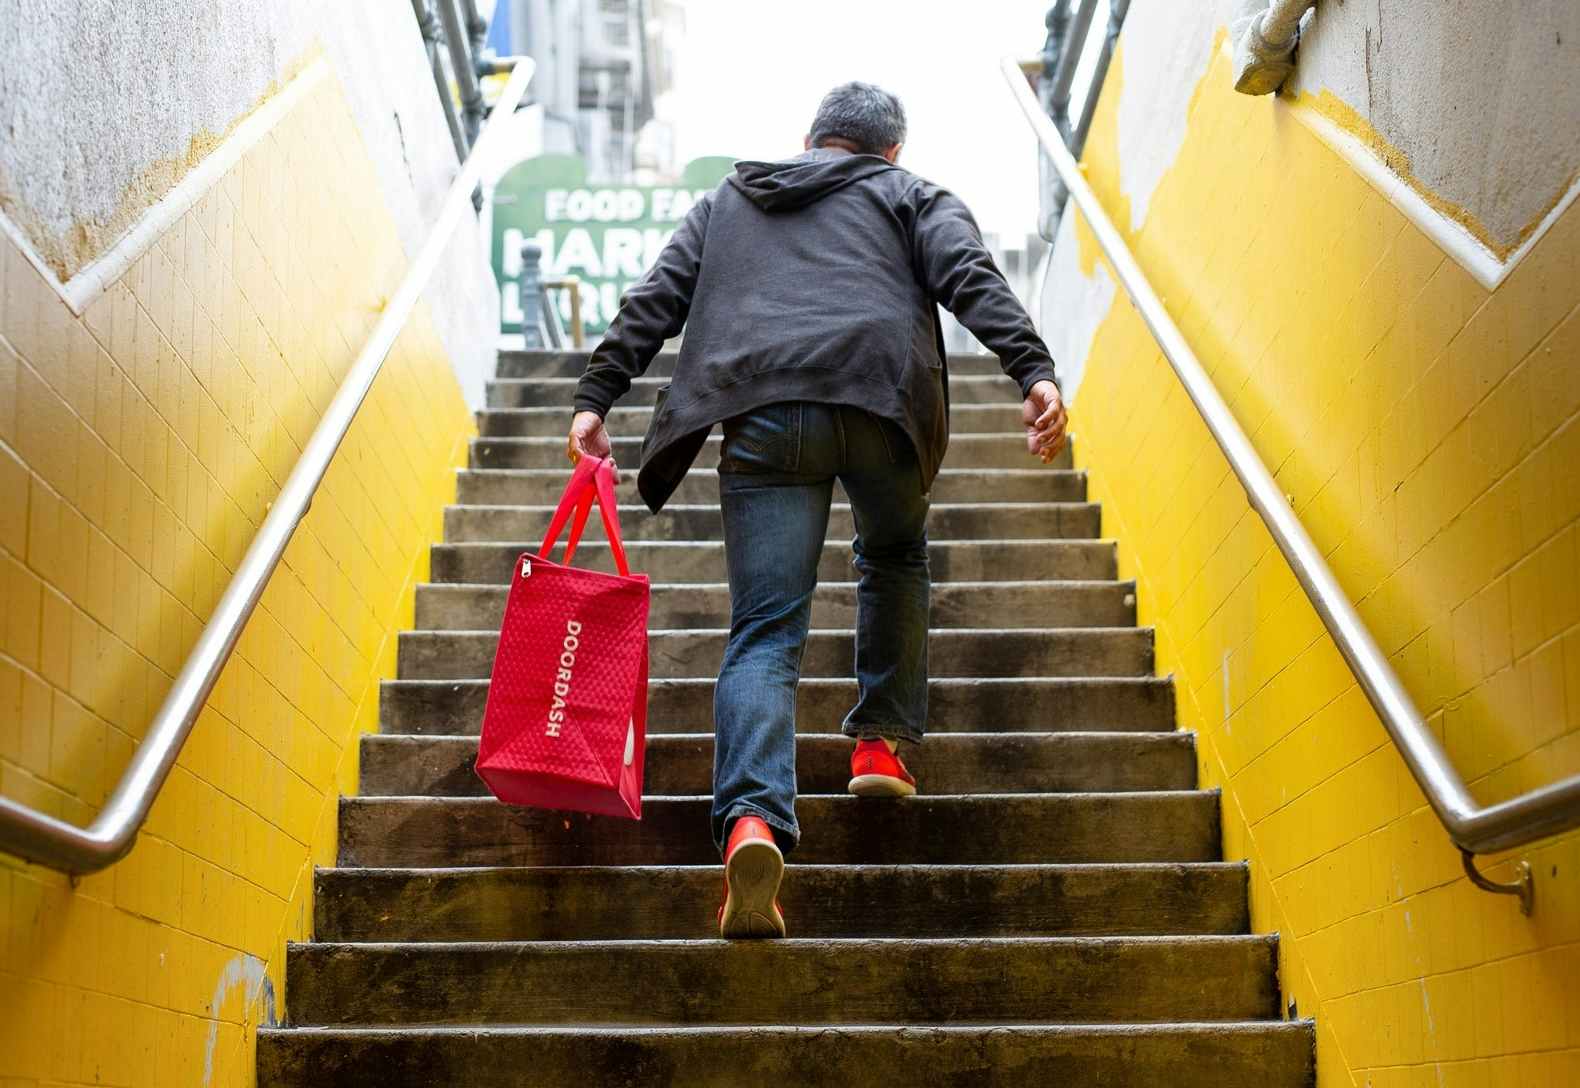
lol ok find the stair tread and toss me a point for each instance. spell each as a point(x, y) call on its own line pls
point(710, 474)
point(835, 682)
point(964, 735)
point(648, 380)
point(686, 523)
point(831, 587)
point(955, 704)
point(815, 980)
point(558, 442)
point(954, 652)
point(1219, 1054)
point(637, 509)
point(907, 802)
point(932, 632)
point(721, 947)
point(792, 868)
point(544, 484)
point(484, 1028)
point(679, 562)
point(830, 900)
point(1154, 825)
point(1027, 542)
point(681, 764)
point(999, 448)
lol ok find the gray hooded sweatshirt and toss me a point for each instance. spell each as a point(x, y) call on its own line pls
point(814, 279)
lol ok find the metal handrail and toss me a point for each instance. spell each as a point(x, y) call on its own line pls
point(1474, 828)
point(42, 838)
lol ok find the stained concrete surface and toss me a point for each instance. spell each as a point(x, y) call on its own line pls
point(105, 107)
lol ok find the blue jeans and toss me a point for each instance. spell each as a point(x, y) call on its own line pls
point(776, 480)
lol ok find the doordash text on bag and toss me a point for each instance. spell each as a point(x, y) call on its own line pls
point(562, 678)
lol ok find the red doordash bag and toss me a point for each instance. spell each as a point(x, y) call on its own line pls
point(566, 722)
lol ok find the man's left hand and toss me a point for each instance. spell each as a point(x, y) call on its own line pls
point(588, 436)
point(1045, 420)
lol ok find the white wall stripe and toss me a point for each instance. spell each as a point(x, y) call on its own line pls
point(91, 282)
point(1465, 248)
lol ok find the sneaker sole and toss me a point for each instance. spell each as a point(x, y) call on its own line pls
point(753, 877)
point(881, 785)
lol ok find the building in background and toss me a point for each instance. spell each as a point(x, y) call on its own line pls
point(602, 64)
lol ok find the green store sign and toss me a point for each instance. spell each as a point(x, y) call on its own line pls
point(607, 236)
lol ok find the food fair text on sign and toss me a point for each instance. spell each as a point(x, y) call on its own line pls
point(608, 236)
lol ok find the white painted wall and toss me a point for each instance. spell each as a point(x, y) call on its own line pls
point(105, 106)
point(1073, 306)
point(1480, 96)
point(1167, 46)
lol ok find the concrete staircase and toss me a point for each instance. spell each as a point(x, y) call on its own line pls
point(1051, 909)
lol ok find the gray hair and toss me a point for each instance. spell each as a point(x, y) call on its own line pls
point(868, 116)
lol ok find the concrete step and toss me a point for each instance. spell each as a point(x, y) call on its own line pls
point(954, 521)
point(1022, 704)
point(952, 652)
point(702, 561)
point(654, 902)
point(570, 364)
point(949, 829)
point(634, 419)
point(556, 392)
point(1258, 1054)
point(814, 980)
point(1008, 605)
point(681, 764)
point(543, 486)
point(991, 451)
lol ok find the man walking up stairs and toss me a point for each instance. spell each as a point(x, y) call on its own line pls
point(808, 289)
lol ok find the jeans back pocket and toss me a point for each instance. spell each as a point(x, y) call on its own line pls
point(766, 439)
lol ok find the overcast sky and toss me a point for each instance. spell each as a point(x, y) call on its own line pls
point(751, 74)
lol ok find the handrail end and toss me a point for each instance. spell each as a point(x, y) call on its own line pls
point(41, 839)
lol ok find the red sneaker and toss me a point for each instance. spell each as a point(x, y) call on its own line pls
point(877, 772)
point(753, 867)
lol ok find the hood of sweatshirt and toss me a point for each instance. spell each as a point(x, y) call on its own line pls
point(805, 179)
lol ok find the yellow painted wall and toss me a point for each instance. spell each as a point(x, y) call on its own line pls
point(1429, 435)
point(140, 447)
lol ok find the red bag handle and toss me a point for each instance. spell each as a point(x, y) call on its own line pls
point(592, 480)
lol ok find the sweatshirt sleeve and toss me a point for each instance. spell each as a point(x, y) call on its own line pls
point(958, 271)
point(654, 310)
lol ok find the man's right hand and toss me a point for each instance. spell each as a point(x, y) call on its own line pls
point(587, 437)
point(1045, 419)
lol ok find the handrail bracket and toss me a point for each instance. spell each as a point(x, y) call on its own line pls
point(1523, 884)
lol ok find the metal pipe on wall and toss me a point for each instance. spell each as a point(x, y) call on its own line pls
point(1073, 42)
point(462, 68)
point(1067, 38)
point(1117, 10)
point(429, 26)
point(1265, 35)
point(476, 27)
